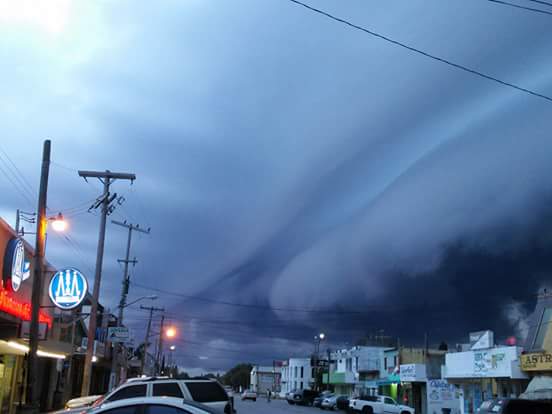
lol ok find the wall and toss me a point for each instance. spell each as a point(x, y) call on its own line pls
point(489, 363)
point(291, 375)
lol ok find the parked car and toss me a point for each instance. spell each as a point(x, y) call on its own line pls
point(378, 404)
point(318, 400)
point(335, 402)
point(153, 405)
point(515, 406)
point(249, 395)
point(301, 397)
point(343, 403)
point(82, 402)
point(207, 392)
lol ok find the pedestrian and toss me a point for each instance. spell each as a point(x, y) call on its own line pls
point(268, 395)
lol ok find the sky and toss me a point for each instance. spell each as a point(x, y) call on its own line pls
point(298, 176)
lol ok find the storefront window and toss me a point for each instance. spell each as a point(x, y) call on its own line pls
point(7, 369)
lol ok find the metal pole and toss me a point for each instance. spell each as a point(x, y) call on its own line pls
point(87, 373)
point(17, 223)
point(329, 362)
point(38, 273)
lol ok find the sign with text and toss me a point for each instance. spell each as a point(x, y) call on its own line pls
point(413, 373)
point(25, 328)
point(536, 362)
point(443, 397)
point(118, 334)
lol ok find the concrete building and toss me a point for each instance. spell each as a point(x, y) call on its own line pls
point(297, 374)
point(537, 362)
point(265, 378)
point(356, 370)
point(484, 371)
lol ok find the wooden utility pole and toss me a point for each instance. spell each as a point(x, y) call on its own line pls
point(107, 178)
point(117, 347)
point(144, 354)
point(38, 274)
point(160, 344)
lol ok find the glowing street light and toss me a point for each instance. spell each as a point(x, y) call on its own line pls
point(58, 223)
point(170, 332)
point(172, 347)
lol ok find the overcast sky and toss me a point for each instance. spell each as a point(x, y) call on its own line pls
point(290, 162)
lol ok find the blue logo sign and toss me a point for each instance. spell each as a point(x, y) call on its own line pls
point(68, 288)
point(16, 268)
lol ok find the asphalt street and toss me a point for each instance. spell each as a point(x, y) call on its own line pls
point(274, 407)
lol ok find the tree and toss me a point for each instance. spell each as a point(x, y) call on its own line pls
point(237, 377)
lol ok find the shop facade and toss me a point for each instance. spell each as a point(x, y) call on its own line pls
point(15, 314)
point(484, 373)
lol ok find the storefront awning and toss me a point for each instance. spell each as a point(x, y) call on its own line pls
point(46, 350)
point(391, 379)
point(540, 388)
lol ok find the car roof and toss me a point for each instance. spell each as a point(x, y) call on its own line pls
point(170, 401)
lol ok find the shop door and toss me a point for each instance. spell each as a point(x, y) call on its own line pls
point(7, 371)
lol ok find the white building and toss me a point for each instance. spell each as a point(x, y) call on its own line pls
point(357, 369)
point(484, 371)
point(265, 378)
point(297, 374)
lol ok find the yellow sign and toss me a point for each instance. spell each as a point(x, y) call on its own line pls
point(536, 362)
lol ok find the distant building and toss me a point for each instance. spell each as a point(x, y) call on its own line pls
point(356, 370)
point(297, 374)
point(265, 378)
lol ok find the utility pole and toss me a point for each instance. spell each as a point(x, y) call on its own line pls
point(117, 347)
point(151, 309)
point(329, 363)
point(38, 273)
point(107, 178)
point(160, 345)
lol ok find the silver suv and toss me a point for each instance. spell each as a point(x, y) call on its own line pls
point(207, 392)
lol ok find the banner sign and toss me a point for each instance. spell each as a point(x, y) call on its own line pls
point(16, 267)
point(68, 288)
point(536, 362)
point(118, 334)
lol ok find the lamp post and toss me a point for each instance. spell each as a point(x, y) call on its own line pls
point(317, 339)
point(172, 349)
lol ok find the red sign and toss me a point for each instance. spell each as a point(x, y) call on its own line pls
point(21, 310)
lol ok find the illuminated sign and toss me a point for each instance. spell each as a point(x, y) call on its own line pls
point(68, 288)
point(16, 268)
point(536, 362)
point(21, 310)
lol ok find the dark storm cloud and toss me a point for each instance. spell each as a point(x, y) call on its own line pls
point(285, 160)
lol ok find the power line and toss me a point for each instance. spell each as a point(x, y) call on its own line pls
point(421, 52)
point(22, 178)
point(541, 2)
point(517, 6)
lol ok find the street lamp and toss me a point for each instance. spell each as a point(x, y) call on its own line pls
point(317, 339)
point(58, 223)
point(170, 332)
point(172, 347)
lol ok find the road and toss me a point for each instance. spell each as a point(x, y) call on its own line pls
point(274, 407)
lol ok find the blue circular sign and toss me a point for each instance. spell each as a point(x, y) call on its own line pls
point(68, 288)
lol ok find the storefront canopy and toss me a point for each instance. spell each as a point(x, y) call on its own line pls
point(540, 388)
point(391, 379)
